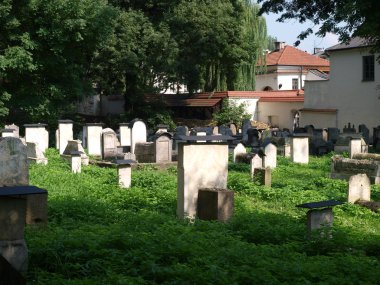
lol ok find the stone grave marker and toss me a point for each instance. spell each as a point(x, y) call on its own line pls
point(125, 135)
point(138, 133)
point(94, 138)
point(359, 188)
point(215, 204)
point(35, 154)
point(270, 158)
point(7, 133)
point(124, 172)
point(38, 134)
point(75, 145)
point(163, 147)
point(239, 149)
point(200, 165)
point(15, 128)
point(355, 147)
point(253, 137)
point(76, 162)
point(65, 133)
point(145, 152)
point(256, 162)
point(109, 144)
point(349, 129)
point(332, 134)
point(300, 149)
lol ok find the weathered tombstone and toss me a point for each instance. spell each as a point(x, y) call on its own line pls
point(65, 133)
point(225, 131)
point(239, 149)
point(355, 147)
point(94, 138)
point(138, 133)
point(215, 204)
point(245, 127)
point(163, 147)
point(332, 134)
point(300, 149)
point(253, 137)
point(145, 152)
point(109, 144)
point(129, 156)
point(263, 176)
point(76, 162)
point(7, 133)
point(125, 135)
point(75, 145)
point(38, 134)
point(270, 158)
point(233, 129)
point(365, 132)
point(15, 128)
point(349, 129)
point(200, 165)
point(359, 188)
point(35, 154)
point(124, 172)
point(256, 162)
point(215, 130)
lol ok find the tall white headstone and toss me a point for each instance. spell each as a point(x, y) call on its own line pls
point(239, 149)
point(300, 149)
point(125, 134)
point(270, 158)
point(138, 133)
point(94, 138)
point(38, 134)
point(65, 133)
point(200, 165)
point(355, 146)
point(359, 188)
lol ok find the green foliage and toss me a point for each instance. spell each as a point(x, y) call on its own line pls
point(231, 112)
point(99, 233)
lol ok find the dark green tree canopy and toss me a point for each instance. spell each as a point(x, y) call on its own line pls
point(345, 18)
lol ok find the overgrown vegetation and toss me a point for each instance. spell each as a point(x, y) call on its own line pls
point(231, 112)
point(101, 234)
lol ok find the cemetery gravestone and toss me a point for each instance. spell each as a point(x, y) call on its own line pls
point(215, 204)
point(38, 134)
point(109, 144)
point(239, 149)
point(355, 147)
point(359, 188)
point(125, 135)
point(200, 165)
point(225, 131)
point(8, 133)
point(300, 149)
point(161, 128)
point(76, 162)
point(124, 172)
point(75, 145)
point(256, 162)
point(233, 129)
point(94, 138)
point(163, 147)
point(15, 128)
point(35, 154)
point(65, 133)
point(270, 158)
point(263, 176)
point(245, 127)
point(138, 133)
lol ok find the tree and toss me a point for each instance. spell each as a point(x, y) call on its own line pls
point(347, 18)
point(231, 112)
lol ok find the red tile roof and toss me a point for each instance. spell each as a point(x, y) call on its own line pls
point(292, 56)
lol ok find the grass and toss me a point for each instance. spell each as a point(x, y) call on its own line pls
point(101, 234)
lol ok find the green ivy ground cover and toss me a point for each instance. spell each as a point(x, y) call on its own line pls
point(101, 234)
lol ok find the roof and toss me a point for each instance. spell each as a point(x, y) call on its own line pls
point(290, 55)
point(211, 99)
point(316, 75)
point(355, 42)
point(319, 110)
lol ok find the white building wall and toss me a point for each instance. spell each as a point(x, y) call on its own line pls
point(286, 80)
point(251, 105)
point(264, 80)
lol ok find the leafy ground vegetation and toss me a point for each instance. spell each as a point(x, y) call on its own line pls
point(101, 234)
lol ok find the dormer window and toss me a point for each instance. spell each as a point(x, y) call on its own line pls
point(369, 68)
point(295, 83)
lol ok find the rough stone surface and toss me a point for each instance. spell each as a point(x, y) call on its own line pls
point(355, 147)
point(215, 204)
point(145, 152)
point(12, 218)
point(256, 162)
point(270, 158)
point(94, 140)
point(300, 149)
point(239, 149)
point(76, 146)
point(35, 154)
point(16, 253)
point(14, 170)
point(319, 218)
point(200, 165)
point(124, 173)
point(359, 188)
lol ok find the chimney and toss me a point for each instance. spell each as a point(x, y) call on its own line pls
point(317, 50)
point(279, 45)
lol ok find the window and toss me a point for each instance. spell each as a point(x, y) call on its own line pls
point(369, 68)
point(295, 83)
point(273, 121)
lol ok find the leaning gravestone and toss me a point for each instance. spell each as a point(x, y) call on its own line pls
point(239, 149)
point(270, 158)
point(359, 188)
point(200, 165)
point(138, 133)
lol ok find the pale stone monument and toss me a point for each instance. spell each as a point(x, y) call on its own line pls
point(76, 162)
point(124, 172)
point(94, 138)
point(15, 128)
point(359, 188)
point(65, 133)
point(125, 135)
point(163, 147)
point(35, 154)
point(38, 134)
point(300, 149)
point(200, 165)
point(270, 158)
point(109, 144)
point(8, 133)
point(75, 145)
point(138, 133)
point(239, 149)
point(256, 162)
point(355, 146)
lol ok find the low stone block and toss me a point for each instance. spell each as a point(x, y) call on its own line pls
point(319, 218)
point(12, 218)
point(124, 173)
point(215, 204)
point(359, 188)
point(37, 209)
point(263, 176)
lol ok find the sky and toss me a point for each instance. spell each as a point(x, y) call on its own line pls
point(288, 31)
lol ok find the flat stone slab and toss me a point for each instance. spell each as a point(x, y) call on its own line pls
point(320, 204)
point(204, 138)
point(21, 190)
